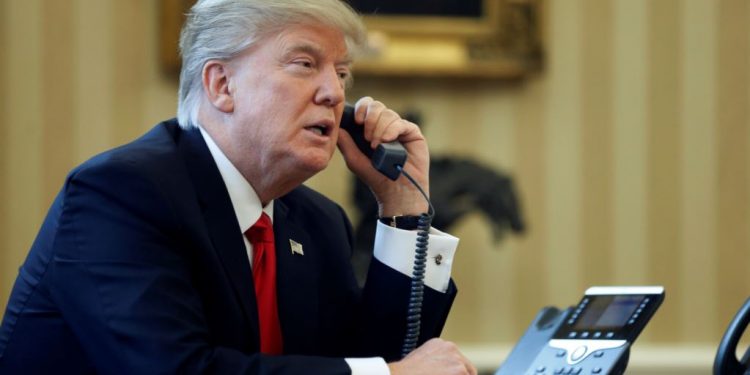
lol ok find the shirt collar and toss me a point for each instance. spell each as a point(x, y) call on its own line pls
point(244, 199)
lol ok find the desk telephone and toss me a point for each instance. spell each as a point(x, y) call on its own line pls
point(593, 337)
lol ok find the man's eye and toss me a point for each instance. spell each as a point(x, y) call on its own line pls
point(344, 75)
point(304, 63)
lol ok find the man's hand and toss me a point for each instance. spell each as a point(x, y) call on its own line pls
point(382, 124)
point(435, 357)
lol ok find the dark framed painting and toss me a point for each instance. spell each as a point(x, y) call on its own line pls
point(430, 17)
point(438, 8)
point(423, 38)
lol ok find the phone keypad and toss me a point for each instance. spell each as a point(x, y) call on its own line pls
point(592, 361)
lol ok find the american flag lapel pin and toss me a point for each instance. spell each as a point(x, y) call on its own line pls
point(296, 247)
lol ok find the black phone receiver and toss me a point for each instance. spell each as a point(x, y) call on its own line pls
point(387, 158)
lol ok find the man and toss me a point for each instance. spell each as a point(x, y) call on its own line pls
point(141, 265)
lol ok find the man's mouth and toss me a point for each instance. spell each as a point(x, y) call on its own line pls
point(321, 130)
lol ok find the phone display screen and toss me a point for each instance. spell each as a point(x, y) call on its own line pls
point(616, 313)
point(608, 312)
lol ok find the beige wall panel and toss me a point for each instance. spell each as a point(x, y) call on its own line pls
point(494, 138)
point(664, 188)
point(470, 267)
point(58, 105)
point(733, 248)
point(529, 291)
point(7, 269)
point(95, 22)
point(596, 144)
point(563, 166)
point(159, 91)
point(495, 141)
point(5, 253)
point(698, 170)
point(747, 122)
point(129, 74)
point(629, 141)
point(23, 151)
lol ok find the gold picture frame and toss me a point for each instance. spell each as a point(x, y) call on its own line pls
point(503, 42)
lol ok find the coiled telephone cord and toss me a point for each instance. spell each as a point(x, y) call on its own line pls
point(416, 295)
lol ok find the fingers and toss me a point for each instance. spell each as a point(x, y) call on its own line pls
point(437, 357)
point(383, 124)
point(451, 350)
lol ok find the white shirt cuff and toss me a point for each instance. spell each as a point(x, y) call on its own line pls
point(368, 366)
point(396, 248)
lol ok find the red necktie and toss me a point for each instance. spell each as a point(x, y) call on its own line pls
point(264, 277)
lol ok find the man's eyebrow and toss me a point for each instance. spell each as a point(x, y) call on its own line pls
point(306, 48)
point(315, 51)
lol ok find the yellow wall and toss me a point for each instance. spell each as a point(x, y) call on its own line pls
point(629, 149)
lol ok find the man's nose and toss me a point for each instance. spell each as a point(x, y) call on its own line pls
point(331, 89)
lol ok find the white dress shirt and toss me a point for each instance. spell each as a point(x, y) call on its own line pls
point(389, 248)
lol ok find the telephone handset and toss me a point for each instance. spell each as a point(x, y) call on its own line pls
point(726, 362)
point(387, 158)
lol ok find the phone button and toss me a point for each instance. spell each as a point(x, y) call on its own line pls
point(579, 353)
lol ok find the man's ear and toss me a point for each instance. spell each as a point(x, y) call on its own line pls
point(216, 84)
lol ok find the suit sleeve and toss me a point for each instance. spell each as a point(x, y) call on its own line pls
point(369, 322)
point(385, 301)
point(123, 283)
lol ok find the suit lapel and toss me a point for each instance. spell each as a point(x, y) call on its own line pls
point(221, 221)
point(297, 279)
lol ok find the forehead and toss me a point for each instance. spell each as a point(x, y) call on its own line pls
point(326, 41)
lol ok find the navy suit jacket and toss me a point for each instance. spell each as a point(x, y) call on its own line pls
point(140, 267)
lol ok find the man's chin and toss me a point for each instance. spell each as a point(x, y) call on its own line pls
point(316, 168)
point(313, 165)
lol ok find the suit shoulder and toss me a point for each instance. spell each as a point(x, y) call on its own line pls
point(143, 178)
point(149, 152)
point(148, 166)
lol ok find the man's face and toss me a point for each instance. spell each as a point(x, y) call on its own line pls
point(288, 99)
